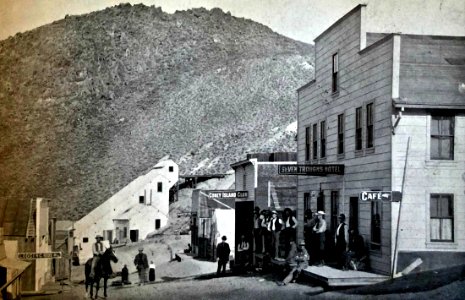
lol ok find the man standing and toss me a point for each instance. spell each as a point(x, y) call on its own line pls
point(97, 251)
point(320, 231)
point(142, 264)
point(222, 251)
point(341, 239)
point(274, 227)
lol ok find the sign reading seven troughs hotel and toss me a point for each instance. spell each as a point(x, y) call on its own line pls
point(35, 255)
point(312, 170)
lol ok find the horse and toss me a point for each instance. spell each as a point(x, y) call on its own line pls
point(102, 270)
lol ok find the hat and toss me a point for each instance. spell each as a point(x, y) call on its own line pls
point(274, 212)
point(98, 236)
point(302, 242)
point(224, 238)
point(141, 248)
point(320, 212)
point(342, 216)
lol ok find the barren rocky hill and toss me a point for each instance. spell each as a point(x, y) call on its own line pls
point(90, 102)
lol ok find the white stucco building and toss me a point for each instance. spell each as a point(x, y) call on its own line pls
point(140, 208)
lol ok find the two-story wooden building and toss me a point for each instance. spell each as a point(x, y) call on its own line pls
point(389, 108)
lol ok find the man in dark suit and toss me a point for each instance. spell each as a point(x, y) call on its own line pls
point(222, 251)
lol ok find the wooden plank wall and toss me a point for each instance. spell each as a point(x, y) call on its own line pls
point(365, 77)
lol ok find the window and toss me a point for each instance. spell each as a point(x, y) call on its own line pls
point(244, 180)
point(307, 202)
point(157, 224)
point(159, 187)
point(442, 218)
point(125, 232)
point(307, 143)
point(335, 84)
point(170, 169)
point(141, 199)
point(85, 239)
point(315, 141)
point(358, 128)
point(376, 225)
point(369, 126)
point(323, 139)
point(340, 134)
point(442, 137)
point(334, 210)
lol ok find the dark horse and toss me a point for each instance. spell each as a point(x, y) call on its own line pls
point(102, 270)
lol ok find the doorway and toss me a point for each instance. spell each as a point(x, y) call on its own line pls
point(134, 235)
point(353, 213)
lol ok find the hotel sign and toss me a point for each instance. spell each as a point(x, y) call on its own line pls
point(311, 170)
point(38, 255)
point(228, 194)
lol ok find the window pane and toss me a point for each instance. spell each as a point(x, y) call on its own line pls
point(434, 147)
point(435, 229)
point(445, 126)
point(434, 126)
point(446, 229)
point(445, 147)
point(433, 206)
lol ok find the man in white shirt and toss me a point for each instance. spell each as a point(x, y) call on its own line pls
point(275, 227)
point(97, 251)
point(341, 240)
point(320, 231)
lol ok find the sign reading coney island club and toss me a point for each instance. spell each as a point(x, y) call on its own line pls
point(311, 170)
point(228, 194)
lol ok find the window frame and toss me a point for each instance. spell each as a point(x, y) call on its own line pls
point(308, 143)
point(358, 128)
point(334, 210)
point(159, 187)
point(370, 126)
point(323, 139)
point(376, 208)
point(450, 198)
point(440, 136)
point(335, 73)
point(315, 141)
point(340, 133)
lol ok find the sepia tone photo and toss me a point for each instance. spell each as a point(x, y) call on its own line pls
point(208, 149)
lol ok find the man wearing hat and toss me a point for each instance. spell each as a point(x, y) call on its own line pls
point(320, 231)
point(142, 264)
point(341, 240)
point(97, 251)
point(299, 263)
point(274, 227)
point(222, 252)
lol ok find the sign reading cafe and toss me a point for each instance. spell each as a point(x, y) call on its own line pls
point(312, 170)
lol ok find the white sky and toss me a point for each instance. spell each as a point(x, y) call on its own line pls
point(299, 19)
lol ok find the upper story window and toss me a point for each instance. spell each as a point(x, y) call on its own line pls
point(141, 199)
point(160, 187)
point(442, 137)
point(323, 139)
point(315, 141)
point(307, 143)
point(442, 218)
point(244, 180)
point(340, 134)
point(335, 83)
point(358, 128)
point(370, 127)
point(170, 169)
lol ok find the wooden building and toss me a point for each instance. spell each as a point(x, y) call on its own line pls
point(389, 108)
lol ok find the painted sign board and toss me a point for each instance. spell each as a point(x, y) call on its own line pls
point(311, 170)
point(38, 255)
point(394, 196)
point(228, 194)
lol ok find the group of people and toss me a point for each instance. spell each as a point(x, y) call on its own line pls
point(348, 243)
point(270, 229)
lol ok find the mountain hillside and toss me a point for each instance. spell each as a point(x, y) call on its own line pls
point(90, 102)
